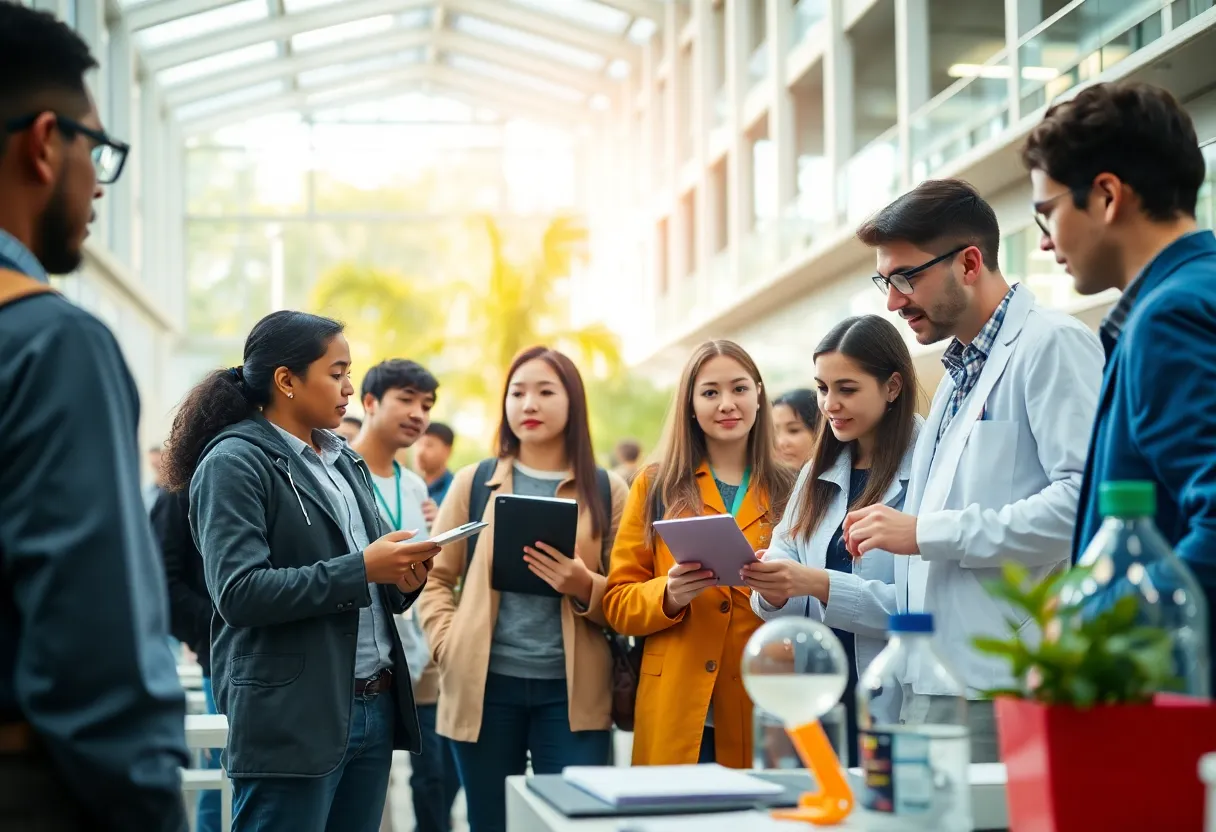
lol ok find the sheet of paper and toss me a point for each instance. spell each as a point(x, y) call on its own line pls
point(666, 784)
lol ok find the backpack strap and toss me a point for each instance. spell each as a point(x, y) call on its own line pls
point(479, 498)
point(14, 286)
point(605, 484)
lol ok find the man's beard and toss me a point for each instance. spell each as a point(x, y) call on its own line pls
point(944, 317)
point(55, 238)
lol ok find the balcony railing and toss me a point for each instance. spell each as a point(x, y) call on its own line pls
point(1079, 42)
point(807, 15)
point(870, 179)
point(966, 114)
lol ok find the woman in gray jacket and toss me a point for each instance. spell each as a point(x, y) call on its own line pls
point(305, 578)
point(867, 393)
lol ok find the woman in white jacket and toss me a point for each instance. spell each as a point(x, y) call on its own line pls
point(863, 455)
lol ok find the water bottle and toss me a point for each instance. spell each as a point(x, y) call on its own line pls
point(1128, 556)
point(914, 777)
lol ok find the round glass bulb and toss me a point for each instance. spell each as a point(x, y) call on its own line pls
point(795, 669)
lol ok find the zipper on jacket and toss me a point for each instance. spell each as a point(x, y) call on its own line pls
point(296, 491)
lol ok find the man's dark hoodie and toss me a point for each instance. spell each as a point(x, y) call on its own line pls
point(287, 595)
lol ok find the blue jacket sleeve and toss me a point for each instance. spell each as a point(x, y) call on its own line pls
point(227, 499)
point(94, 674)
point(1169, 370)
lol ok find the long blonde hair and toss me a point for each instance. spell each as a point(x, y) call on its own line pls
point(672, 480)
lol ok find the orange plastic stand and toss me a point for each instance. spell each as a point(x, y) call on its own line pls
point(833, 802)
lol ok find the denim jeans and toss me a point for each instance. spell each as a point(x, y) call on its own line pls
point(520, 716)
point(351, 799)
point(434, 782)
point(209, 817)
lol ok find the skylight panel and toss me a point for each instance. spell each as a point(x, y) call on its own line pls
point(214, 64)
point(298, 6)
point(587, 13)
point(236, 98)
point(204, 23)
point(338, 72)
point(514, 77)
point(517, 39)
point(642, 30)
point(366, 27)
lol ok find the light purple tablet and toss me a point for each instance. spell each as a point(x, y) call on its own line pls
point(715, 541)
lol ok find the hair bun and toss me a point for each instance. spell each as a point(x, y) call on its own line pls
point(237, 374)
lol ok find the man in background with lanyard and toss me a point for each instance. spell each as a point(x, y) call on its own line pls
point(397, 399)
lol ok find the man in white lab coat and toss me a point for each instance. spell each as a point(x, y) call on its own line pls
point(997, 470)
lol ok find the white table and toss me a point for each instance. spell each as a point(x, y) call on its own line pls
point(527, 812)
point(206, 731)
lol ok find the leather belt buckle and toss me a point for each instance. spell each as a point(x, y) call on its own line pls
point(16, 738)
point(375, 685)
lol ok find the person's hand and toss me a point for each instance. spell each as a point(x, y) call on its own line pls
point(430, 510)
point(779, 580)
point(880, 527)
point(413, 580)
point(685, 581)
point(389, 559)
point(569, 576)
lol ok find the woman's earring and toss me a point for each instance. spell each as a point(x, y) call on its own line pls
point(291, 395)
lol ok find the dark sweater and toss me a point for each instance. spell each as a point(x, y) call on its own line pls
point(190, 606)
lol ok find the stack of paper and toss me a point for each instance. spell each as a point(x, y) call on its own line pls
point(668, 785)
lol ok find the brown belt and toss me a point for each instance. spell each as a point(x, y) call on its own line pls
point(16, 738)
point(374, 686)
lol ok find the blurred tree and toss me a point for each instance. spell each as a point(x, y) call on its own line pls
point(626, 406)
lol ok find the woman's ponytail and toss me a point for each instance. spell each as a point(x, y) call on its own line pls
point(282, 339)
point(220, 400)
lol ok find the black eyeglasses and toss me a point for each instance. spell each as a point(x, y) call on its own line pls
point(109, 154)
point(1040, 218)
point(902, 281)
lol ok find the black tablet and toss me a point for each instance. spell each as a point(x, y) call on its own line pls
point(522, 521)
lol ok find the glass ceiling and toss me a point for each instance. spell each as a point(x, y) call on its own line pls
point(221, 62)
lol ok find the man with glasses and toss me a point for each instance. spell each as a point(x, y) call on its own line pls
point(92, 716)
point(997, 469)
point(1115, 174)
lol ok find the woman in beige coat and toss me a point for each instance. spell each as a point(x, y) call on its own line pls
point(521, 673)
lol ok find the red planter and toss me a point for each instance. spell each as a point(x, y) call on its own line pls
point(1108, 768)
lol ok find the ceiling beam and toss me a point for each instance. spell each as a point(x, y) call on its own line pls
point(439, 22)
point(549, 26)
point(274, 28)
point(298, 99)
point(525, 62)
point(149, 14)
point(275, 68)
point(511, 101)
point(435, 80)
point(652, 9)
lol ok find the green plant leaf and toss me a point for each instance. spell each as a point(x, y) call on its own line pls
point(996, 693)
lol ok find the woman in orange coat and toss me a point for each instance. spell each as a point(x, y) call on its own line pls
point(716, 457)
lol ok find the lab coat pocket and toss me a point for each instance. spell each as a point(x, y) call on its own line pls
point(986, 470)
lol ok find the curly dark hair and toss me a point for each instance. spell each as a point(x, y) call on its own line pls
point(282, 339)
point(1138, 132)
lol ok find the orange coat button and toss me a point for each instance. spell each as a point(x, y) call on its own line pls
point(711, 666)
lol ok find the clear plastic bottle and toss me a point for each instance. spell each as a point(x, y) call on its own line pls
point(1128, 556)
point(915, 777)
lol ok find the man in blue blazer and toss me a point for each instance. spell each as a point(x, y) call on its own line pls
point(1116, 173)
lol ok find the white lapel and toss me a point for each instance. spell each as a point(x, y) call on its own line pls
point(944, 467)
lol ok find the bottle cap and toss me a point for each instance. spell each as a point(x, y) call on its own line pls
point(911, 622)
point(1127, 498)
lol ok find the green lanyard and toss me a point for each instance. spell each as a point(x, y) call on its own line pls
point(737, 504)
point(394, 519)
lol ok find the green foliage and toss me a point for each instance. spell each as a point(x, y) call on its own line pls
point(468, 329)
point(1088, 655)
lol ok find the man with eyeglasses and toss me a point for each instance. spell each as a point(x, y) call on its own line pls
point(92, 715)
point(997, 469)
point(1115, 174)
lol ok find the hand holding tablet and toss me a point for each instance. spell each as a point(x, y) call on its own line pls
point(714, 542)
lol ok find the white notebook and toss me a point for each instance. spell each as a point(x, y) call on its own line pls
point(701, 784)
